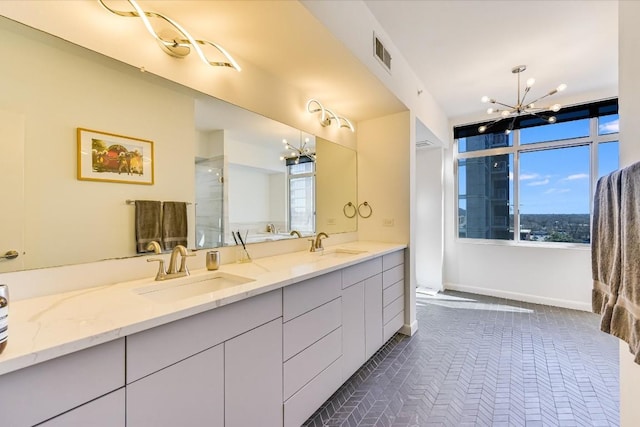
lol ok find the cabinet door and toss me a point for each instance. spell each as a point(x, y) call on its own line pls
point(253, 377)
point(353, 331)
point(189, 393)
point(106, 411)
point(373, 315)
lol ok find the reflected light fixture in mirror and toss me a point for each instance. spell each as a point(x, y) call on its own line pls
point(297, 153)
point(327, 116)
point(177, 42)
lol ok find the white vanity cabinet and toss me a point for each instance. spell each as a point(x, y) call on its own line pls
point(253, 377)
point(105, 411)
point(213, 368)
point(40, 392)
point(361, 313)
point(393, 293)
point(312, 345)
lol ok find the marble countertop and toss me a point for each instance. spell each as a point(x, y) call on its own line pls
point(51, 326)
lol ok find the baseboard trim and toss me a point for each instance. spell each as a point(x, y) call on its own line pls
point(536, 299)
point(409, 330)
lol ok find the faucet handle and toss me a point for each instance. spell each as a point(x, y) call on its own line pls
point(161, 271)
point(312, 248)
point(183, 262)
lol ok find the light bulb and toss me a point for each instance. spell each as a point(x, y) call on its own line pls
point(284, 141)
point(532, 105)
point(507, 132)
point(551, 119)
point(530, 82)
point(555, 108)
point(281, 158)
point(491, 111)
point(481, 129)
point(561, 87)
point(505, 113)
point(484, 99)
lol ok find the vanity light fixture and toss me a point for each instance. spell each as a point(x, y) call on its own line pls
point(297, 153)
point(176, 41)
point(327, 117)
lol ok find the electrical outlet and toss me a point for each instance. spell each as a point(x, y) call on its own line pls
point(388, 222)
point(331, 221)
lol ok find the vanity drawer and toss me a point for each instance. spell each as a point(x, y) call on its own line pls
point(393, 259)
point(154, 349)
point(392, 293)
point(393, 275)
point(359, 272)
point(305, 330)
point(302, 297)
point(305, 402)
point(39, 392)
point(303, 367)
point(393, 326)
point(392, 310)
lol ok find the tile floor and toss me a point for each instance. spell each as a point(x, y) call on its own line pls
point(484, 361)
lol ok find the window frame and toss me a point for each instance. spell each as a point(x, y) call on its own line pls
point(290, 177)
point(516, 149)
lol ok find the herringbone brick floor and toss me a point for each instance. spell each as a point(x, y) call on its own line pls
point(484, 361)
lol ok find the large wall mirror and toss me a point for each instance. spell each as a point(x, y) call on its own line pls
point(223, 160)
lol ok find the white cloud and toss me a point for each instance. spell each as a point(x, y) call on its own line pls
point(537, 183)
point(577, 176)
point(610, 127)
point(526, 176)
point(557, 190)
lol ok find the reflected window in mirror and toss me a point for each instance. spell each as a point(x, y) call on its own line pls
point(301, 189)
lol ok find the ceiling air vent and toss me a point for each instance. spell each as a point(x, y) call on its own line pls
point(423, 144)
point(381, 53)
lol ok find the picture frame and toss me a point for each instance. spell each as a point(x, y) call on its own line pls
point(109, 157)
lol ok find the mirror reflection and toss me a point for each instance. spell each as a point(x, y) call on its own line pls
point(223, 160)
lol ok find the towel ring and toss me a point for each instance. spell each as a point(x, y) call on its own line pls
point(349, 205)
point(366, 205)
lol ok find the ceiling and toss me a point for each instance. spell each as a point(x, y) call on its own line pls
point(463, 50)
point(460, 50)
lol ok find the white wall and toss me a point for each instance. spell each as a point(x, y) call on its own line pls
point(248, 195)
point(553, 276)
point(429, 231)
point(384, 176)
point(629, 70)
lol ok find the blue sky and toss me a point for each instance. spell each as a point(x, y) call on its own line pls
point(557, 181)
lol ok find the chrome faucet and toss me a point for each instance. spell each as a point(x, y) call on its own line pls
point(173, 272)
point(316, 245)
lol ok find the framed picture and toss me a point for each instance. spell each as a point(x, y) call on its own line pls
point(109, 157)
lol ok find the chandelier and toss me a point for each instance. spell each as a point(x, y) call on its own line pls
point(298, 152)
point(522, 107)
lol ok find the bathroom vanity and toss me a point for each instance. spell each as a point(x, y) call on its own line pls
point(262, 343)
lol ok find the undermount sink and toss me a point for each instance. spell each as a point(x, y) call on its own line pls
point(339, 253)
point(177, 289)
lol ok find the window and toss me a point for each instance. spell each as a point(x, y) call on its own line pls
point(538, 180)
point(302, 210)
